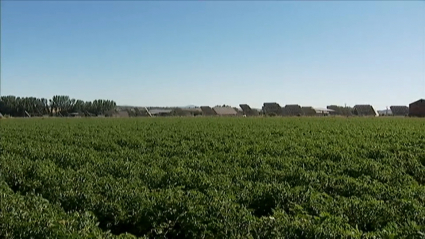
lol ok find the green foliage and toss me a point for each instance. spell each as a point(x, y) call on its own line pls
point(212, 178)
point(59, 105)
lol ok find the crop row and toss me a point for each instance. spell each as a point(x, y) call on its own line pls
point(212, 178)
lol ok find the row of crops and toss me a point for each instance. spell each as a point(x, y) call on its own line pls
point(212, 178)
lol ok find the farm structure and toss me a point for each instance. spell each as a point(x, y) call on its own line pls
point(225, 111)
point(188, 111)
point(399, 110)
point(248, 111)
point(292, 110)
point(207, 111)
point(323, 111)
point(272, 109)
point(417, 108)
point(160, 112)
point(364, 110)
point(308, 111)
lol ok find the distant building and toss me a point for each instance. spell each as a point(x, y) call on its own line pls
point(239, 111)
point(189, 111)
point(161, 112)
point(248, 111)
point(272, 109)
point(121, 113)
point(308, 111)
point(323, 111)
point(225, 111)
point(417, 108)
point(364, 110)
point(292, 110)
point(399, 110)
point(207, 111)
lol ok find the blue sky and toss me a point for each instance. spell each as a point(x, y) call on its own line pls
point(175, 53)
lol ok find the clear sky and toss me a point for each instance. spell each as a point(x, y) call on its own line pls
point(175, 53)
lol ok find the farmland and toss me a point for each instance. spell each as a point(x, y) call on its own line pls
point(212, 178)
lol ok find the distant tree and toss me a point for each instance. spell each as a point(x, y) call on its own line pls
point(59, 105)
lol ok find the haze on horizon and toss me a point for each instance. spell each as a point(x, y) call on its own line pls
point(146, 53)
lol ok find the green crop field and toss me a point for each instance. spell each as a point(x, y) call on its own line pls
point(212, 178)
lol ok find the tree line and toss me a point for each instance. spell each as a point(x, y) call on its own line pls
point(59, 105)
